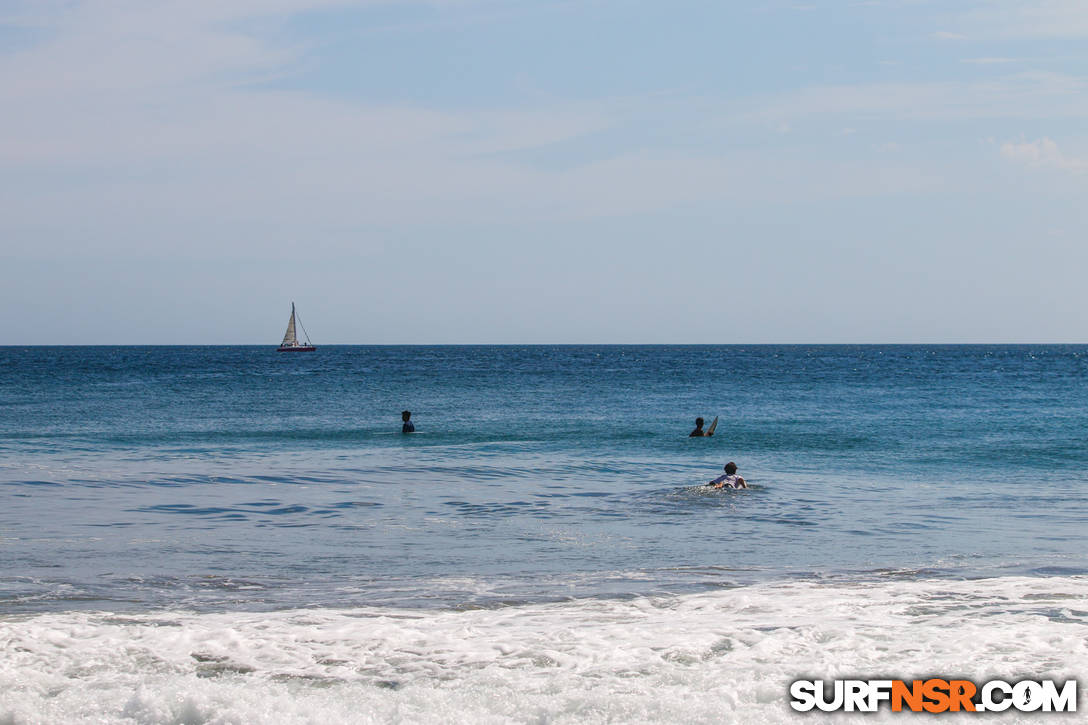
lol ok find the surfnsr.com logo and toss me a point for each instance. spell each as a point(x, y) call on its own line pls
point(934, 695)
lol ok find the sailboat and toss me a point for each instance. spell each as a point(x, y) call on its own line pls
point(290, 339)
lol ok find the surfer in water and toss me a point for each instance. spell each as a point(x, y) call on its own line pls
point(730, 479)
point(408, 427)
point(699, 432)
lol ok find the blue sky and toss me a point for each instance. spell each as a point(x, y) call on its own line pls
point(536, 171)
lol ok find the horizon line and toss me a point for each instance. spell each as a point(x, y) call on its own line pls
point(273, 346)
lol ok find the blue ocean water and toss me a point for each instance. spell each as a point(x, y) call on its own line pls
point(235, 478)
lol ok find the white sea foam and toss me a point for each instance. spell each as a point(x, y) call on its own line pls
point(723, 656)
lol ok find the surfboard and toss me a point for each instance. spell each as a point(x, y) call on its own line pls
point(710, 430)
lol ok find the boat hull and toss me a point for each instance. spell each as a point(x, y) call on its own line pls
point(296, 348)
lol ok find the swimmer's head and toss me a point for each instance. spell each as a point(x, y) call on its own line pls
point(730, 468)
point(405, 415)
point(698, 422)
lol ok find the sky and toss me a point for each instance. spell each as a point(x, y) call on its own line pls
point(543, 171)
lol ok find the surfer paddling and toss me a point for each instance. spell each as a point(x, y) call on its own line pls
point(730, 479)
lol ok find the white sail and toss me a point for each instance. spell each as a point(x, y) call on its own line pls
point(289, 338)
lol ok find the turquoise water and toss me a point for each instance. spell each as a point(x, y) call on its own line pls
point(236, 478)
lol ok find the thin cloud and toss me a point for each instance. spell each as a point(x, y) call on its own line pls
point(1020, 95)
point(989, 61)
point(171, 116)
point(1028, 18)
point(945, 35)
point(1043, 153)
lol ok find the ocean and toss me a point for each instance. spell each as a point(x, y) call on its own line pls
point(232, 535)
